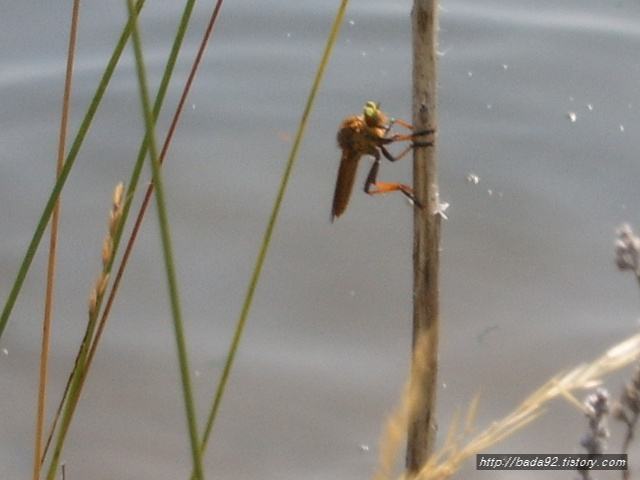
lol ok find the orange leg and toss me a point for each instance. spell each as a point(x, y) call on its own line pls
point(399, 137)
point(408, 127)
point(394, 187)
point(404, 124)
point(386, 187)
point(373, 173)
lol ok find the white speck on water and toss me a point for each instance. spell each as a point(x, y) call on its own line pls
point(470, 73)
point(473, 178)
point(352, 22)
point(489, 106)
point(589, 107)
point(572, 117)
point(505, 66)
point(364, 448)
point(5, 351)
point(622, 128)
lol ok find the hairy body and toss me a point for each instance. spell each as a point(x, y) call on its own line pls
point(358, 135)
point(366, 134)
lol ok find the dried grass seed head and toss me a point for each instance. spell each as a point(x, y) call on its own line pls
point(117, 196)
point(107, 251)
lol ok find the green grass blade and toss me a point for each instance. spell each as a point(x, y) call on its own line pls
point(255, 277)
point(167, 249)
point(84, 359)
point(64, 174)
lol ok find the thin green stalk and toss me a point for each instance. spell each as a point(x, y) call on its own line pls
point(78, 373)
point(166, 244)
point(64, 174)
point(266, 240)
point(134, 179)
point(135, 176)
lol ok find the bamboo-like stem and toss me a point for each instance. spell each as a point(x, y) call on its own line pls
point(268, 234)
point(53, 248)
point(166, 245)
point(422, 422)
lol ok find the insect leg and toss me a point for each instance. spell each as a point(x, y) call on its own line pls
point(386, 187)
point(410, 127)
point(391, 158)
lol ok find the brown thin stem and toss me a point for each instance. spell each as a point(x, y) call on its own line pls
point(53, 248)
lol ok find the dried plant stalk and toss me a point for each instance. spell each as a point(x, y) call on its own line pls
point(95, 298)
point(459, 447)
point(426, 243)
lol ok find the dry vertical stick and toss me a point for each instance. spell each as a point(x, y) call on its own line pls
point(422, 422)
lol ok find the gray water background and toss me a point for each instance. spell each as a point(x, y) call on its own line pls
point(529, 286)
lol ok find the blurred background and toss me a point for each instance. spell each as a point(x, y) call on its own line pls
point(538, 157)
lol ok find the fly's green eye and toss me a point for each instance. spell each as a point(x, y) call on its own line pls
point(371, 110)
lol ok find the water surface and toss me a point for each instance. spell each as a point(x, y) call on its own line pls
point(538, 100)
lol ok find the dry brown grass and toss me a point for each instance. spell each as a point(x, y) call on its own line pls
point(460, 444)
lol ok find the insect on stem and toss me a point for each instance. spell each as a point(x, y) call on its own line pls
point(367, 134)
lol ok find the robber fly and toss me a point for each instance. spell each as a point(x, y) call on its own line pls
point(366, 134)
